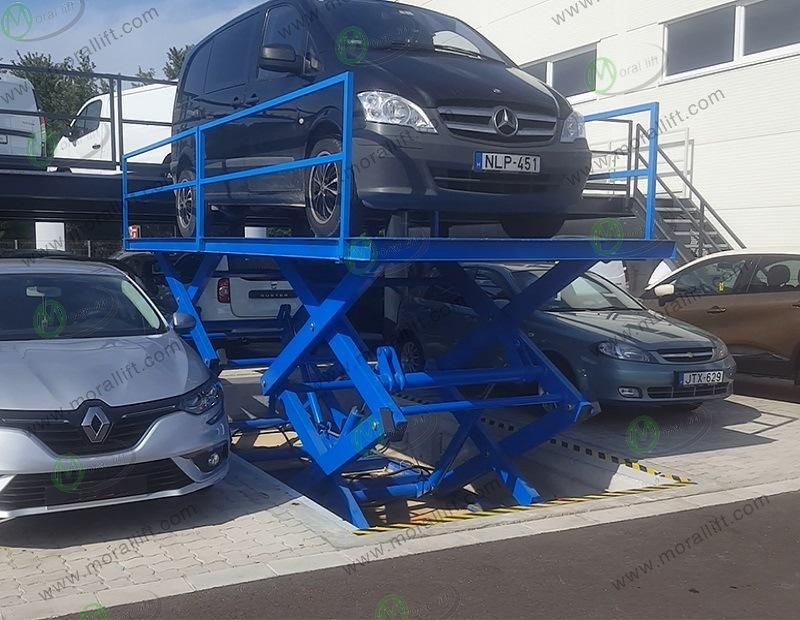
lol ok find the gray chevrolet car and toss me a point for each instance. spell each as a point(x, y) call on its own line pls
point(101, 401)
point(616, 351)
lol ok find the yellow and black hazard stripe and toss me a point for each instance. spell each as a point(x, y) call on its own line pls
point(605, 456)
point(439, 517)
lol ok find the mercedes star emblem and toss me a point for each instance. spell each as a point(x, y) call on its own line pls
point(506, 122)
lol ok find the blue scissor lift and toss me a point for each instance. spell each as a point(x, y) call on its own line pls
point(324, 362)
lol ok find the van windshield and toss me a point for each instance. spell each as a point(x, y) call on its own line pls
point(377, 26)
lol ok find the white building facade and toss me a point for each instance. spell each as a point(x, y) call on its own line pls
point(726, 74)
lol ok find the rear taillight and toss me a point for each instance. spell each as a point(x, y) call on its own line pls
point(224, 291)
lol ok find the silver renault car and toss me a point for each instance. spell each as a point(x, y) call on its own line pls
point(101, 401)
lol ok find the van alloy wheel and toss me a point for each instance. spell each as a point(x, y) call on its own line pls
point(323, 190)
point(184, 203)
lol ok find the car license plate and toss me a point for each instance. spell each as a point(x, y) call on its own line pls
point(3, 138)
point(709, 377)
point(504, 162)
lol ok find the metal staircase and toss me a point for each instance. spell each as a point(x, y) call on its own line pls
point(681, 214)
point(689, 220)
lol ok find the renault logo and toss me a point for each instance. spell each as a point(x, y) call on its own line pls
point(506, 122)
point(96, 425)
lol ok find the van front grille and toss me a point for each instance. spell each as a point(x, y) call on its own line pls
point(477, 123)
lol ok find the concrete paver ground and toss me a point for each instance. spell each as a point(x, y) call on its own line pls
point(252, 527)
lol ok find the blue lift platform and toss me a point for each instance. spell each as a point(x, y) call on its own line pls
point(324, 361)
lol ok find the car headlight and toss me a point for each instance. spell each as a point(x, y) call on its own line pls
point(622, 351)
point(381, 107)
point(574, 128)
point(720, 350)
point(202, 399)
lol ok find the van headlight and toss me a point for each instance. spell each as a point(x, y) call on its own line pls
point(574, 128)
point(202, 399)
point(381, 107)
point(622, 351)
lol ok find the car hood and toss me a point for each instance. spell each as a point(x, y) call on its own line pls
point(645, 329)
point(446, 79)
point(51, 375)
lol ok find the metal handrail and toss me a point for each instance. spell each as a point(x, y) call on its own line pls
point(632, 175)
point(344, 158)
point(116, 121)
point(704, 204)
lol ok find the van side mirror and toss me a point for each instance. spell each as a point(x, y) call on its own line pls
point(183, 323)
point(665, 293)
point(280, 57)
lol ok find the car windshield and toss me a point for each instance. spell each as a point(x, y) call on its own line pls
point(376, 26)
point(585, 294)
point(71, 306)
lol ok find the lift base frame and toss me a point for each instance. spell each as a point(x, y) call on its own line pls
point(307, 389)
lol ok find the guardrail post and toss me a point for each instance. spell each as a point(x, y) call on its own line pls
point(652, 172)
point(347, 160)
point(199, 199)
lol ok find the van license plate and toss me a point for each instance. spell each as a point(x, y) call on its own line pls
point(3, 139)
point(503, 162)
point(711, 377)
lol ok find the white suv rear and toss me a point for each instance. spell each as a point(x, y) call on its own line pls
point(243, 291)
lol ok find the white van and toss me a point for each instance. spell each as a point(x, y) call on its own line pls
point(89, 138)
point(20, 135)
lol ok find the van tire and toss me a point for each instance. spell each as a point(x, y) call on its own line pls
point(323, 204)
point(531, 226)
point(216, 225)
point(184, 205)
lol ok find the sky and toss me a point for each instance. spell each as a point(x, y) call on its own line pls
point(62, 27)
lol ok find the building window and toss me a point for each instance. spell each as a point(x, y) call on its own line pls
point(771, 24)
point(570, 74)
point(539, 70)
point(702, 41)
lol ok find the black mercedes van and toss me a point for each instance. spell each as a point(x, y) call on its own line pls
point(444, 121)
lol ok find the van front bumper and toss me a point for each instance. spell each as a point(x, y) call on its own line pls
point(399, 168)
point(174, 457)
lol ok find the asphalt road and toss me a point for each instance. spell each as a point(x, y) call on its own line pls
point(736, 561)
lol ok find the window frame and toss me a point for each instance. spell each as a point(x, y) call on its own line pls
point(248, 70)
point(551, 60)
point(739, 57)
point(264, 74)
point(766, 259)
point(81, 120)
point(740, 285)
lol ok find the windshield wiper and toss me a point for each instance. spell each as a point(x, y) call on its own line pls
point(402, 45)
point(463, 52)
